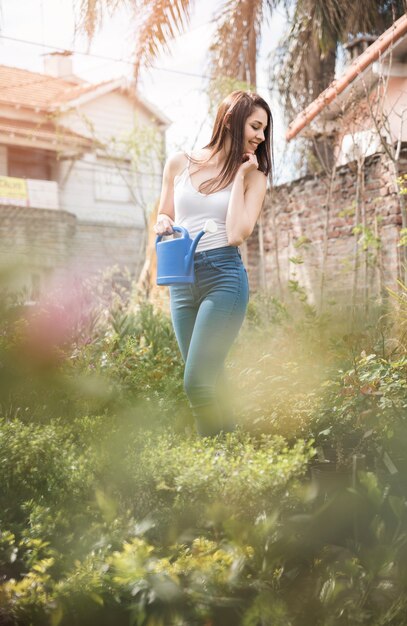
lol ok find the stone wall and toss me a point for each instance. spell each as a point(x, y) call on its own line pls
point(104, 245)
point(50, 244)
point(294, 223)
point(294, 218)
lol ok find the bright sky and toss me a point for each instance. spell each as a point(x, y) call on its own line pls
point(176, 85)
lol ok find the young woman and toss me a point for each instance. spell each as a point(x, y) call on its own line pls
point(225, 181)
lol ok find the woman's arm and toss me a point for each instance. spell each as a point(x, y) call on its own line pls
point(165, 218)
point(246, 201)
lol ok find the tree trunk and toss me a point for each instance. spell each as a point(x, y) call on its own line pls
point(320, 72)
point(326, 238)
point(247, 73)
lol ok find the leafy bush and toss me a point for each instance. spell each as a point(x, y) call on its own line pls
point(364, 409)
point(188, 483)
point(111, 511)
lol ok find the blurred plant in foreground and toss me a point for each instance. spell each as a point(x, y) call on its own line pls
point(113, 511)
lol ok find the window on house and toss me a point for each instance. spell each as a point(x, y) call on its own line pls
point(29, 163)
point(113, 180)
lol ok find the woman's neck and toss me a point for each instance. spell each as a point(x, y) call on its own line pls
point(219, 158)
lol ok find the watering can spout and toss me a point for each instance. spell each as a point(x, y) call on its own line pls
point(209, 227)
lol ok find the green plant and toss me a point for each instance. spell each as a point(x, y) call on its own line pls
point(363, 408)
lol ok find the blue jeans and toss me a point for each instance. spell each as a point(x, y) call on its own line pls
point(207, 316)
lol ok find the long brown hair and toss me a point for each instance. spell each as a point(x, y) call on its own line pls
point(230, 121)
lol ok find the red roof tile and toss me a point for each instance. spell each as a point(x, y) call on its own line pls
point(35, 90)
point(337, 86)
point(38, 131)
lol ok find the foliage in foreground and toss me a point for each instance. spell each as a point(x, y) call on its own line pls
point(112, 511)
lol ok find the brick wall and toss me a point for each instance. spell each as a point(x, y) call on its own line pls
point(297, 212)
point(52, 243)
point(104, 245)
point(42, 237)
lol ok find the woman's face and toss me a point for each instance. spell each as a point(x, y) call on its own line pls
point(254, 129)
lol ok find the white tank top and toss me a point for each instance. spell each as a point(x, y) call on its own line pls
point(192, 208)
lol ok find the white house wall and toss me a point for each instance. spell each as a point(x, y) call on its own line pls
point(395, 108)
point(77, 184)
point(88, 188)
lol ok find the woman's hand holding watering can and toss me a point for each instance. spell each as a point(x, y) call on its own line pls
point(164, 225)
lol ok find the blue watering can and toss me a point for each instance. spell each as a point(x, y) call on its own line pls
point(175, 257)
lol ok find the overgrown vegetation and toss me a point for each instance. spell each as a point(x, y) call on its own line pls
point(112, 511)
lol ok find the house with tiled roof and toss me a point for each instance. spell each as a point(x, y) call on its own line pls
point(338, 233)
point(367, 103)
point(86, 158)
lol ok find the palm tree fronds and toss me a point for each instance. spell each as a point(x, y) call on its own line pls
point(161, 21)
point(233, 51)
point(91, 14)
point(304, 63)
point(373, 16)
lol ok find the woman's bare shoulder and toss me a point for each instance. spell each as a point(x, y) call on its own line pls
point(256, 184)
point(257, 178)
point(176, 163)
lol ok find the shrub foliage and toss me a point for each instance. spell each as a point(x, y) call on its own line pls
point(112, 511)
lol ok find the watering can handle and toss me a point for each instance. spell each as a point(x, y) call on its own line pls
point(178, 229)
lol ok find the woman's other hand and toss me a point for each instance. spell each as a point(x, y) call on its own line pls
point(249, 164)
point(164, 225)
